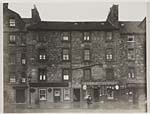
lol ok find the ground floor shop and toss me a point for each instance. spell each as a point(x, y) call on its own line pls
point(62, 92)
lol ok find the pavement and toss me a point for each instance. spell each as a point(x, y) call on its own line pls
point(95, 107)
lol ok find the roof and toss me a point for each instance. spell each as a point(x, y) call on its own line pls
point(50, 25)
point(131, 27)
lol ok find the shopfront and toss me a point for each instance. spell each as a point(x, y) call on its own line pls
point(101, 91)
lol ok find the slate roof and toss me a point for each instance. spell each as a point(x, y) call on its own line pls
point(50, 25)
point(131, 27)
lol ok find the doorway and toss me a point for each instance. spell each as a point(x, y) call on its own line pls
point(20, 96)
point(57, 94)
point(96, 94)
point(76, 95)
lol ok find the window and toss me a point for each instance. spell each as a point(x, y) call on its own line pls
point(131, 54)
point(23, 40)
point(12, 77)
point(109, 74)
point(65, 36)
point(108, 36)
point(67, 94)
point(65, 54)
point(42, 54)
point(86, 54)
point(131, 72)
point(12, 39)
point(86, 36)
point(23, 59)
point(42, 38)
point(66, 74)
point(109, 54)
point(42, 75)
point(12, 23)
point(12, 58)
point(87, 74)
point(42, 94)
point(23, 77)
point(130, 38)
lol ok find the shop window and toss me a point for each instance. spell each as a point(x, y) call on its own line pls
point(109, 74)
point(131, 72)
point(131, 54)
point(109, 54)
point(66, 94)
point(65, 36)
point(12, 77)
point(108, 36)
point(66, 74)
point(86, 54)
point(42, 94)
point(12, 39)
point(12, 58)
point(23, 58)
point(42, 75)
point(42, 55)
point(65, 54)
point(87, 74)
point(12, 23)
point(86, 36)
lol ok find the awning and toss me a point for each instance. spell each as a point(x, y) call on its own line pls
point(100, 83)
point(62, 84)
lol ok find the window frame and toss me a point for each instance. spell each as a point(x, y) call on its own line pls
point(110, 71)
point(66, 55)
point(84, 54)
point(12, 36)
point(130, 36)
point(12, 58)
point(45, 98)
point(42, 75)
point(12, 23)
point(69, 92)
point(85, 35)
point(23, 59)
point(63, 70)
point(84, 74)
point(109, 56)
point(42, 55)
point(129, 55)
point(107, 39)
point(12, 75)
point(63, 34)
point(131, 73)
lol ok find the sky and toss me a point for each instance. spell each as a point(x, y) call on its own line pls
point(81, 11)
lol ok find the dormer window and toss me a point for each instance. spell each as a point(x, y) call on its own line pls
point(12, 23)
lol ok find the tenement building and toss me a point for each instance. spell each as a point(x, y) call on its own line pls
point(46, 61)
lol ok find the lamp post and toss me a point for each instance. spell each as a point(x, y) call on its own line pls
point(29, 80)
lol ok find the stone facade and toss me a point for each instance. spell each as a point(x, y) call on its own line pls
point(108, 67)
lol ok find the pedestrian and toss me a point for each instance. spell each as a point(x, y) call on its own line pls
point(89, 100)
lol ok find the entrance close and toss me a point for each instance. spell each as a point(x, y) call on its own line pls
point(57, 95)
point(96, 94)
point(76, 95)
point(20, 95)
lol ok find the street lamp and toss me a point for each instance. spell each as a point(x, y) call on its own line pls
point(29, 80)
